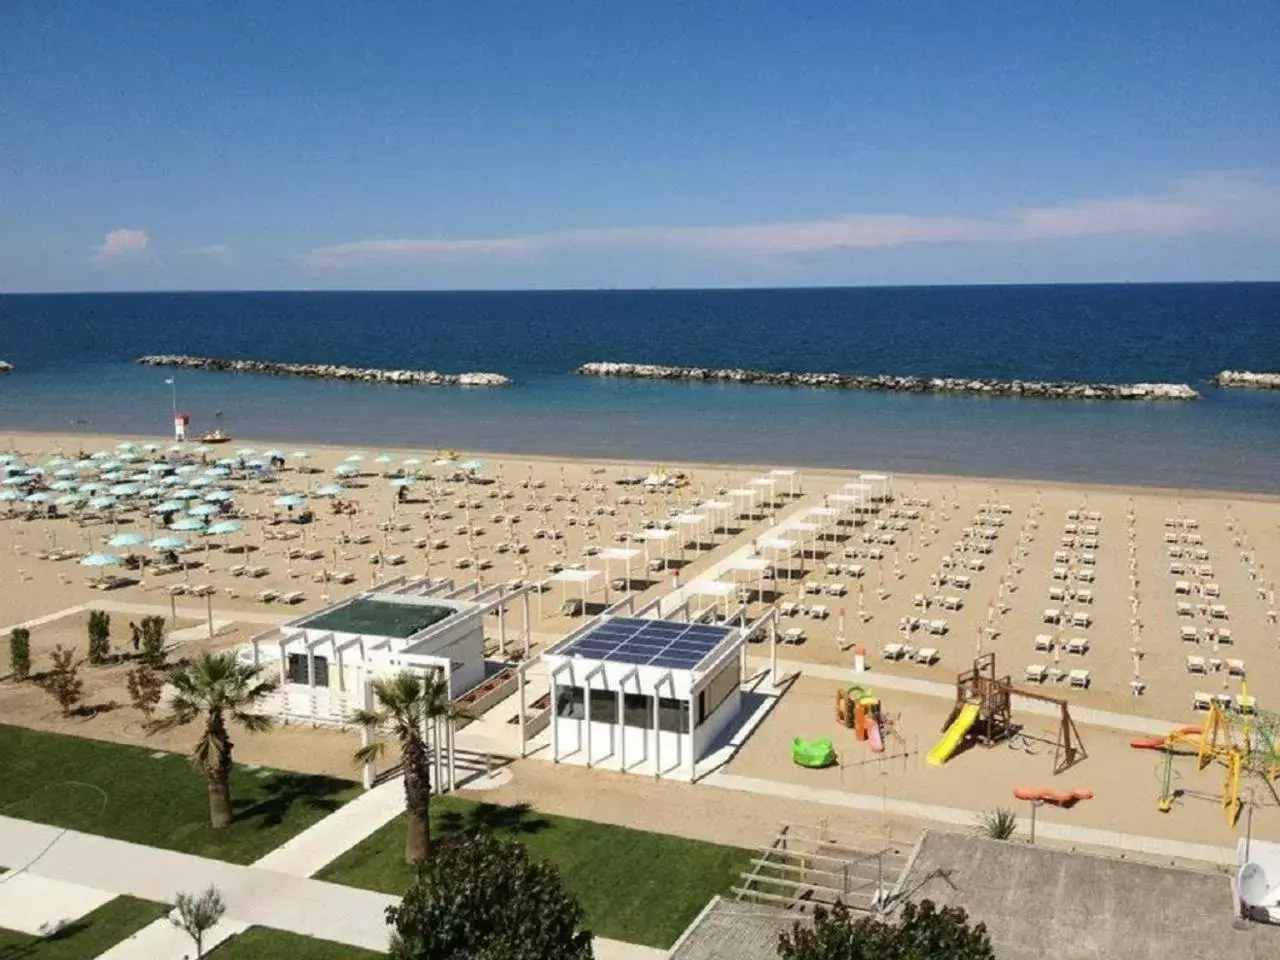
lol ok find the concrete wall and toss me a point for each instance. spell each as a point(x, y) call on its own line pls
point(724, 715)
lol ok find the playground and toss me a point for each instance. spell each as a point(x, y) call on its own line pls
point(1120, 786)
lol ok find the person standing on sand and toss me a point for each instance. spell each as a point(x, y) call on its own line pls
point(135, 635)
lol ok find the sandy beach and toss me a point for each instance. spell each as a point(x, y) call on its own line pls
point(952, 565)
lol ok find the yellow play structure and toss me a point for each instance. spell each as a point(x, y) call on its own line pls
point(1245, 742)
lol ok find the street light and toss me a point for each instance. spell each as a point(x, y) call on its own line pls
point(172, 382)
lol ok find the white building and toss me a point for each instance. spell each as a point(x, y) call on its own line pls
point(326, 658)
point(639, 694)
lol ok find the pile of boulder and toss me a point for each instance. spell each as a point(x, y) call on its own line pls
point(1244, 378)
point(329, 371)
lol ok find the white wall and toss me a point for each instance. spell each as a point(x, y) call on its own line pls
point(724, 715)
point(606, 745)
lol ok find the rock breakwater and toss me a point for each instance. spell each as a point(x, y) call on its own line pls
point(329, 371)
point(1245, 378)
point(1052, 390)
point(6, 367)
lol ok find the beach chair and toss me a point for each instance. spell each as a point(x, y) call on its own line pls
point(1201, 700)
point(1185, 609)
point(1177, 569)
point(1189, 633)
point(894, 651)
point(1057, 593)
point(1036, 673)
point(177, 589)
point(1211, 590)
point(937, 627)
point(265, 596)
point(1084, 596)
point(819, 611)
point(1052, 615)
point(926, 656)
point(836, 590)
point(1235, 668)
point(1081, 618)
point(1245, 703)
point(1196, 665)
point(789, 608)
point(1218, 611)
point(793, 635)
point(294, 596)
point(1079, 678)
point(1077, 645)
point(1044, 642)
point(1223, 635)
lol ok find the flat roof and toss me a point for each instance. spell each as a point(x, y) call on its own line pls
point(668, 644)
point(379, 617)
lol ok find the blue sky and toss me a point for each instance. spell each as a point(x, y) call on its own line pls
point(248, 145)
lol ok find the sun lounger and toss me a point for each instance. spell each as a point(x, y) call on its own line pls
point(1201, 700)
point(1084, 595)
point(926, 655)
point(789, 609)
point(265, 596)
point(1036, 673)
point(1079, 678)
point(1081, 618)
point(1218, 611)
point(793, 635)
point(1085, 576)
point(177, 589)
point(951, 602)
point(1189, 633)
point(1211, 590)
point(894, 651)
point(920, 600)
point(937, 627)
point(961, 581)
point(1196, 665)
point(819, 612)
point(1245, 703)
point(1057, 593)
point(1077, 645)
point(1185, 609)
point(1222, 635)
point(836, 590)
point(1044, 642)
point(1052, 615)
point(1235, 668)
point(256, 572)
point(292, 597)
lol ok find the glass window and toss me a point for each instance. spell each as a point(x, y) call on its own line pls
point(604, 706)
point(637, 710)
point(296, 669)
point(673, 715)
point(569, 703)
point(720, 687)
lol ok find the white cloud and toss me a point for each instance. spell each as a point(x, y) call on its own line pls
point(120, 245)
point(1224, 202)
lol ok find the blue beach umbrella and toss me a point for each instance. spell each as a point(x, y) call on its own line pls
point(289, 500)
point(126, 540)
point(169, 506)
point(18, 480)
point(331, 490)
point(68, 500)
point(225, 526)
point(186, 468)
point(203, 510)
point(402, 482)
point(218, 496)
point(100, 455)
point(102, 503)
point(66, 473)
point(188, 525)
point(346, 470)
point(40, 496)
point(124, 490)
point(10, 495)
point(217, 472)
point(152, 492)
point(100, 560)
point(186, 493)
point(167, 543)
point(63, 485)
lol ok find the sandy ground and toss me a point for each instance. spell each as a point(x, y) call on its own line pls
point(934, 527)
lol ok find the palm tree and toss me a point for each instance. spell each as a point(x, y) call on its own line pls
point(406, 703)
point(214, 689)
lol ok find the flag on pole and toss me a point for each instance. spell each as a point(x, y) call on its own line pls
point(169, 380)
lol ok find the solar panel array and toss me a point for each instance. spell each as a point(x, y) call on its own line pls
point(654, 643)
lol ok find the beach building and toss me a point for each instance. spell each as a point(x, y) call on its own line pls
point(327, 658)
point(643, 694)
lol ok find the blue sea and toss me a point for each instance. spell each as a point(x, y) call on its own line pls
point(76, 373)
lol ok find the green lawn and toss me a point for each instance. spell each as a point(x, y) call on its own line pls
point(635, 886)
point(260, 943)
point(125, 792)
point(87, 937)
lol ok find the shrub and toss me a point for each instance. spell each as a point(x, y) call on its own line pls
point(99, 637)
point(923, 932)
point(145, 687)
point(63, 682)
point(152, 641)
point(997, 824)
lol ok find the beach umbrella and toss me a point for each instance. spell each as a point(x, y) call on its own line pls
point(7, 458)
point(169, 506)
point(176, 448)
point(57, 462)
point(69, 500)
point(110, 465)
point(100, 455)
point(130, 456)
point(151, 447)
point(413, 462)
point(204, 448)
point(385, 458)
point(126, 540)
point(288, 500)
point(10, 495)
point(188, 525)
point(66, 473)
point(218, 496)
point(151, 492)
point(40, 496)
point(257, 464)
point(226, 526)
point(100, 560)
point(186, 468)
point(204, 510)
point(173, 480)
point(473, 466)
point(228, 462)
point(273, 454)
point(331, 490)
point(167, 543)
point(186, 493)
point(112, 476)
point(246, 452)
point(402, 482)
point(63, 485)
point(124, 490)
point(140, 476)
point(346, 470)
point(355, 457)
point(102, 503)
point(217, 472)
point(82, 465)
point(201, 482)
point(34, 471)
point(93, 486)
point(158, 468)
point(18, 480)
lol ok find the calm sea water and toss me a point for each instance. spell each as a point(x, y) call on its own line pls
point(75, 356)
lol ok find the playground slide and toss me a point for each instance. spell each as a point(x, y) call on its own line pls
point(1063, 798)
point(945, 747)
point(874, 740)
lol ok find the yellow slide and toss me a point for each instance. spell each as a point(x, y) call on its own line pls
point(945, 747)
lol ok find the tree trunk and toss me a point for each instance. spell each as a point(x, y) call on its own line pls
point(219, 801)
point(417, 797)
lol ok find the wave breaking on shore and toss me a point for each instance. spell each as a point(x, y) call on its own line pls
point(329, 371)
point(1041, 389)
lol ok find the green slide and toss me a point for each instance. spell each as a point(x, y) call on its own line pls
point(813, 753)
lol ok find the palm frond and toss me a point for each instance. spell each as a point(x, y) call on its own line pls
point(372, 752)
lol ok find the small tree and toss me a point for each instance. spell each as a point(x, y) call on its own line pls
point(152, 629)
point(997, 824)
point(197, 914)
point(20, 652)
point(63, 681)
point(922, 933)
point(99, 637)
point(145, 688)
point(480, 897)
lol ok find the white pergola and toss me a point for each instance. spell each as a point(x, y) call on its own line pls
point(610, 555)
point(802, 527)
point(686, 520)
point(766, 483)
point(879, 484)
point(744, 493)
point(721, 507)
point(752, 565)
point(792, 477)
point(654, 536)
point(566, 577)
point(720, 589)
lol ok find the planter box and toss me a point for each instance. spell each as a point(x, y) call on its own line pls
point(495, 689)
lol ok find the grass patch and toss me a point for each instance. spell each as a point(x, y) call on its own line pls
point(261, 943)
point(125, 792)
point(635, 886)
point(87, 937)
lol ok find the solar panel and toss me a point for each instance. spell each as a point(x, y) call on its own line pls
point(667, 644)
